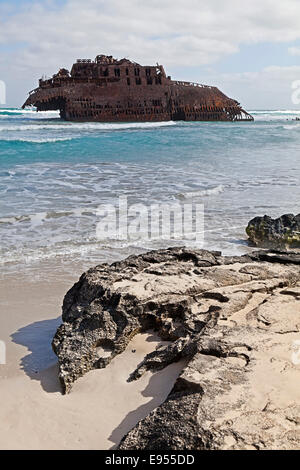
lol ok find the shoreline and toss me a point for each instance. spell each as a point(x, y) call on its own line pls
point(102, 407)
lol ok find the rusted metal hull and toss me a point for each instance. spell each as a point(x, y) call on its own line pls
point(130, 96)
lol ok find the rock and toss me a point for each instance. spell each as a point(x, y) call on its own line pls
point(283, 232)
point(233, 319)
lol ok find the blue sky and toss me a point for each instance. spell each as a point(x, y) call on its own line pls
point(250, 50)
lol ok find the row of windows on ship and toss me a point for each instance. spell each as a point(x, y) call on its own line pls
point(117, 72)
point(150, 81)
point(192, 115)
point(131, 112)
point(89, 104)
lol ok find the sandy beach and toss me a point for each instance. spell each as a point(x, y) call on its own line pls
point(102, 406)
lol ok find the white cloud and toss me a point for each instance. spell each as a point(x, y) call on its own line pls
point(269, 88)
point(294, 51)
point(172, 32)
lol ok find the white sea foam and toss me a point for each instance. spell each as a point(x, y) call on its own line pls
point(291, 127)
point(276, 115)
point(215, 168)
point(278, 111)
point(48, 253)
point(36, 141)
point(202, 192)
point(27, 111)
point(40, 217)
point(86, 126)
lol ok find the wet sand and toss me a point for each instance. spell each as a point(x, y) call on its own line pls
point(102, 406)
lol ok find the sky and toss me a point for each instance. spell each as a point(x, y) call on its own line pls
point(250, 50)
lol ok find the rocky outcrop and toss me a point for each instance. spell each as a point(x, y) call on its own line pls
point(283, 232)
point(234, 320)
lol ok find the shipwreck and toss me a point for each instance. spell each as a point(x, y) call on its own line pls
point(111, 90)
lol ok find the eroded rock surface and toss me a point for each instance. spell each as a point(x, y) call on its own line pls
point(234, 320)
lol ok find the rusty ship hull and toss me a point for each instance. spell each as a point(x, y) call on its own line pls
point(110, 90)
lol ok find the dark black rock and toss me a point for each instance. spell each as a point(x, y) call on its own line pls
point(283, 232)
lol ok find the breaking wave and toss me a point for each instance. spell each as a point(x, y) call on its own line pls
point(25, 111)
point(276, 115)
point(36, 141)
point(278, 111)
point(291, 127)
point(40, 217)
point(17, 112)
point(87, 126)
point(202, 192)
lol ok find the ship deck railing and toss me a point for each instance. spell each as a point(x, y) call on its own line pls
point(199, 85)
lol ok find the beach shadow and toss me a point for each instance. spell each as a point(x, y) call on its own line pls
point(41, 363)
point(154, 338)
point(159, 387)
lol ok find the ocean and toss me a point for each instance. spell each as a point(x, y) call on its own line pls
point(55, 174)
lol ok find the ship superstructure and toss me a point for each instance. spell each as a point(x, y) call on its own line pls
point(110, 90)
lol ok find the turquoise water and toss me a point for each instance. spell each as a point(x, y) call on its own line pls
point(54, 175)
